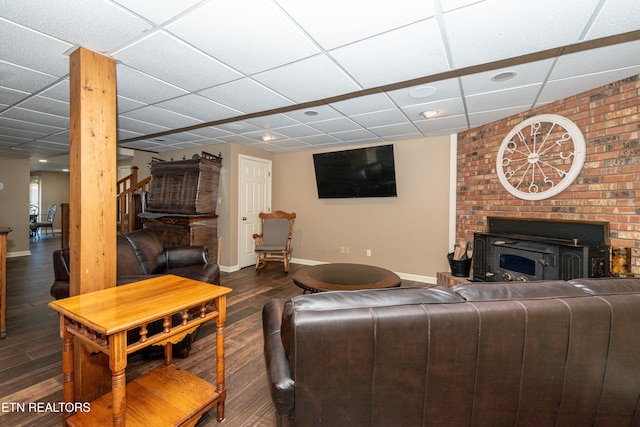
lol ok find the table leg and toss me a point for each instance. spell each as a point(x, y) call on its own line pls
point(221, 306)
point(118, 364)
point(68, 385)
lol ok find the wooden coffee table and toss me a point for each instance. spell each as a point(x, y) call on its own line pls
point(344, 277)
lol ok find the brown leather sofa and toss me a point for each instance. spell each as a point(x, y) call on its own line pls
point(536, 353)
point(140, 255)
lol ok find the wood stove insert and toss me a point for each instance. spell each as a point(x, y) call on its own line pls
point(519, 249)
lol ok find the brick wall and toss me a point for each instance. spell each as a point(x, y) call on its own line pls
point(607, 189)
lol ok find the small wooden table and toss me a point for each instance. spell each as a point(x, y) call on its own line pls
point(166, 395)
point(3, 280)
point(344, 277)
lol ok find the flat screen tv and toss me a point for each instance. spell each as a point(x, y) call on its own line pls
point(362, 172)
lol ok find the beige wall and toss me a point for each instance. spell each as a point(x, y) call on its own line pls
point(14, 204)
point(408, 234)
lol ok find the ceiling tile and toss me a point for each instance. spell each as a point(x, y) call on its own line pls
point(23, 79)
point(58, 91)
point(245, 41)
point(615, 17)
point(46, 105)
point(141, 87)
point(30, 128)
point(162, 117)
point(478, 119)
point(199, 107)
point(158, 11)
point(524, 96)
point(575, 85)
point(11, 96)
point(445, 107)
point(336, 125)
point(403, 129)
point(531, 73)
point(351, 21)
point(308, 80)
point(315, 114)
point(246, 95)
point(98, 25)
point(602, 59)
point(27, 48)
point(273, 121)
point(297, 131)
point(493, 30)
point(355, 135)
point(436, 125)
point(31, 116)
point(364, 104)
point(150, 54)
point(126, 104)
point(444, 89)
point(139, 127)
point(448, 5)
point(403, 54)
point(380, 118)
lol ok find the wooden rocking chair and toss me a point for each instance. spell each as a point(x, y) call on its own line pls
point(274, 241)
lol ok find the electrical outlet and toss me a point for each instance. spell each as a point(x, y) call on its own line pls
point(341, 249)
point(368, 252)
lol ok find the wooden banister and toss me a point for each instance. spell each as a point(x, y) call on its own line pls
point(125, 204)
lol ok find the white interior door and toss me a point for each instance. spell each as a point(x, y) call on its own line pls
point(255, 197)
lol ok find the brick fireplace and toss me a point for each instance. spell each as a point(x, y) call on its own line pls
point(607, 189)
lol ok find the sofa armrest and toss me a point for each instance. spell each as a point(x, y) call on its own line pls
point(281, 384)
point(185, 256)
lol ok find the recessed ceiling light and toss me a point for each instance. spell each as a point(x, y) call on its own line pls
point(311, 113)
point(429, 114)
point(235, 126)
point(267, 138)
point(501, 77)
point(422, 92)
point(42, 161)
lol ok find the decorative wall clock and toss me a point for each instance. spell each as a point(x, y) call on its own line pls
point(541, 157)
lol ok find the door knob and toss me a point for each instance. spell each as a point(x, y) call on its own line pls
point(244, 218)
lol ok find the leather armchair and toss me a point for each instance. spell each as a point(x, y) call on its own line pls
point(141, 256)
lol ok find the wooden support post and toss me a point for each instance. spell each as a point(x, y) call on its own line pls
point(92, 231)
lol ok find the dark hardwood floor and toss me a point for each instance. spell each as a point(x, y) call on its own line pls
point(30, 356)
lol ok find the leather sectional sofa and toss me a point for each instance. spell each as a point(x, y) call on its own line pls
point(487, 354)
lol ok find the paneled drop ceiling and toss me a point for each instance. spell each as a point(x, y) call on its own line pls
point(303, 74)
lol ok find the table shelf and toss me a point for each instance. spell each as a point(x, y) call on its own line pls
point(165, 396)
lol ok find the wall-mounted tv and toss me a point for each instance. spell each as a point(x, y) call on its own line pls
point(362, 172)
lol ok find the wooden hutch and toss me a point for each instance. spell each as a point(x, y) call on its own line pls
point(181, 203)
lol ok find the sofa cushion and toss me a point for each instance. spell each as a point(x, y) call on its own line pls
point(496, 291)
point(608, 285)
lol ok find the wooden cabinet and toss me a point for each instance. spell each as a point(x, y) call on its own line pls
point(184, 230)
